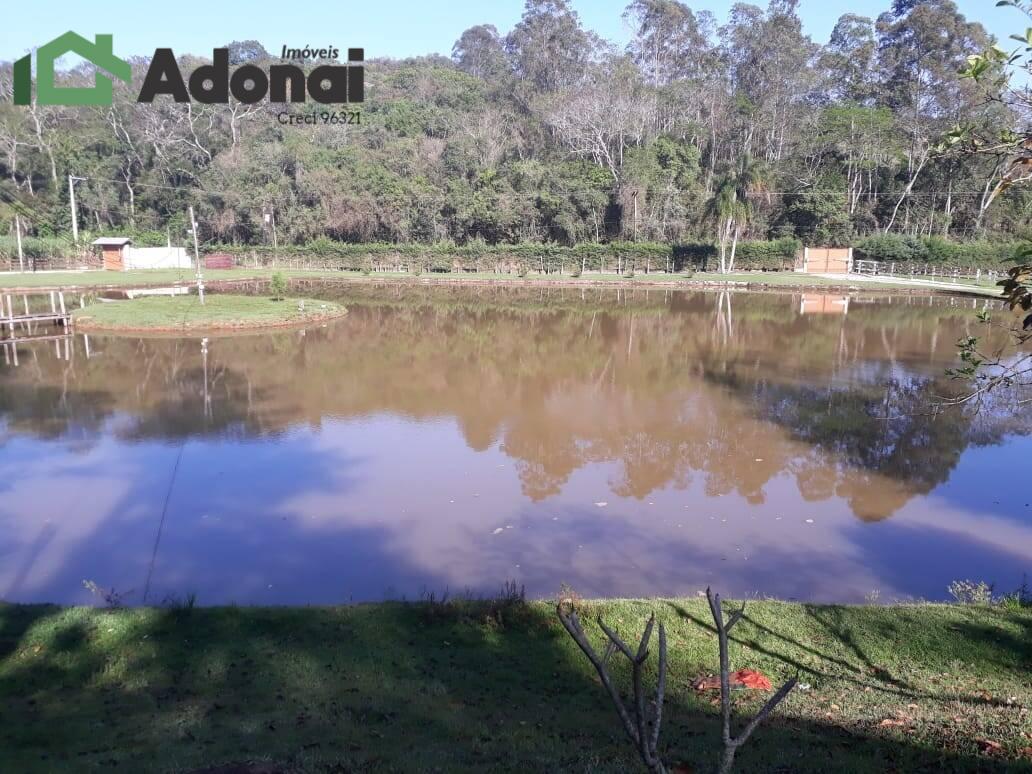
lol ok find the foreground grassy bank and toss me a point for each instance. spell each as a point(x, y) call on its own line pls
point(500, 686)
point(786, 279)
point(218, 312)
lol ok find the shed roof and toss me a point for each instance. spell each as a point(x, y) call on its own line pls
point(118, 241)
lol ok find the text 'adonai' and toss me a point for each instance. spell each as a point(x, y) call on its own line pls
point(213, 84)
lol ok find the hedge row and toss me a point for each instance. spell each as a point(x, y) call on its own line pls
point(610, 257)
point(936, 250)
point(774, 255)
point(43, 253)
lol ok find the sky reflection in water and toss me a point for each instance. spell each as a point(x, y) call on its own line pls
point(626, 443)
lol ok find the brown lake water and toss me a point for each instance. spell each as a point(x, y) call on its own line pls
point(626, 443)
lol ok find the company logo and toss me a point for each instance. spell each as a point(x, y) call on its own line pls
point(99, 52)
point(210, 84)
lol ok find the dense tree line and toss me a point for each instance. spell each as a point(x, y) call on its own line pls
point(697, 130)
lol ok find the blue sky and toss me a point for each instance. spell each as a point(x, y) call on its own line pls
point(395, 28)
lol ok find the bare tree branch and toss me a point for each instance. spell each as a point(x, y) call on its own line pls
point(732, 743)
point(645, 739)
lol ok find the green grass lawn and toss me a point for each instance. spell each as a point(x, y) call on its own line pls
point(135, 277)
point(156, 277)
point(187, 312)
point(501, 687)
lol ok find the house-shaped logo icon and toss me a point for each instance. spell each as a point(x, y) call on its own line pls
point(98, 52)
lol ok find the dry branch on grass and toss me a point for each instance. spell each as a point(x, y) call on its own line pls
point(642, 722)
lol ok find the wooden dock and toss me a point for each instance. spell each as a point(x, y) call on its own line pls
point(15, 314)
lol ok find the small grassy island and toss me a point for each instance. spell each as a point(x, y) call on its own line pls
point(218, 312)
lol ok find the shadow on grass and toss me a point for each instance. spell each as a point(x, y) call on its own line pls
point(867, 675)
point(463, 686)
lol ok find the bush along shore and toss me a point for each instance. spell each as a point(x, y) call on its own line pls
point(500, 685)
point(616, 257)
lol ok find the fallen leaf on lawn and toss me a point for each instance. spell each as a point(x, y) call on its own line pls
point(835, 707)
point(988, 746)
point(891, 722)
point(911, 706)
point(1025, 752)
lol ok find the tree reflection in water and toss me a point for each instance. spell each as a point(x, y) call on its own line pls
point(654, 390)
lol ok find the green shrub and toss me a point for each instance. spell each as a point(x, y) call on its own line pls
point(892, 247)
point(278, 286)
point(936, 250)
point(751, 255)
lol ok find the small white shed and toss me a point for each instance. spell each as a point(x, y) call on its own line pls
point(119, 255)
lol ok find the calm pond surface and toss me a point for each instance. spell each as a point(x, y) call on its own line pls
point(626, 443)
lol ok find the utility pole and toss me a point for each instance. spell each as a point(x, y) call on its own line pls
point(17, 231)
point(197, 257)
point(270, 218)
point(275, 241)
point(634, 196)
point(71, 203)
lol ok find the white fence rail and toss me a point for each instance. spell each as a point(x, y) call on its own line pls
point(925, 271)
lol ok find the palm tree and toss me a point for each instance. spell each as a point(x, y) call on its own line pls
point(730, 206)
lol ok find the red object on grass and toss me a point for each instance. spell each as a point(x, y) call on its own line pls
point(743, 678)
point(750, 678)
